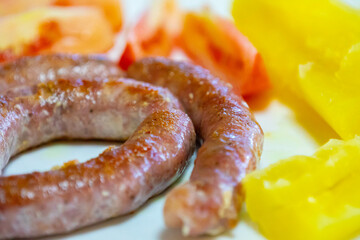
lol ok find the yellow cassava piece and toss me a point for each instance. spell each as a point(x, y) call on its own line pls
point(312, 48)
point(308, 197)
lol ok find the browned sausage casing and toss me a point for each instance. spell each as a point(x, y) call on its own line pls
point(27, 71)
point(117, 181)
point(232, 145)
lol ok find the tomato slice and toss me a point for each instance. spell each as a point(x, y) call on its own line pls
point(208, 40)
point(154, 34)
point(158, 44)
point(216, 44)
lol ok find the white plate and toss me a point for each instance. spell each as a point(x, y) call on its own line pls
point(287, 132)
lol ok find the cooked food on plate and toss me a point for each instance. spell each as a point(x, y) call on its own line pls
point(54, 84)
point(160, 141)
point(232, 145)
point(123, 178)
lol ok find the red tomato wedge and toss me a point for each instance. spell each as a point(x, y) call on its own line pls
point(208, 40)
point(216, 44)
point(159, 43)
point(154, 34)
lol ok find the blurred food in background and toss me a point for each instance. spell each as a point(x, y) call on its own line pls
point(154, 34)
point(311, 48)
point(205, 38)
point(68, 26)
point(110, 8)
point(89, 26)
point(216, 44)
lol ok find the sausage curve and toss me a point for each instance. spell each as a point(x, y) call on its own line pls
point(232, 144)
point(117, 181)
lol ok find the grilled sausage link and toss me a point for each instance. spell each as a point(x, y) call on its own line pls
point(117, 181)
point(27, 71)
point(232, 144)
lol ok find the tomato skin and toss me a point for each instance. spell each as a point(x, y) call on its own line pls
point(154, 34)
point(216, 44)
point(206, 39)
point(159, 43)
point(128, 56)
point(259, 76)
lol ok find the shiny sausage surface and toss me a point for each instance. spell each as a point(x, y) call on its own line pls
point(232, 144)
point(160, 141)
point(27, 71)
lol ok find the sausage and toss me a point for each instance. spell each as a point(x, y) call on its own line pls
point(232, 144)
point(160, 141)
point(32, 70)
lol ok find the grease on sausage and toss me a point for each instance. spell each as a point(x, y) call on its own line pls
point(30, 70)
point(232, 144)
point(117, 181)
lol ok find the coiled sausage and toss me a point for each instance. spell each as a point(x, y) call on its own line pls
point(117, 181)
point(232, 144)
